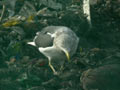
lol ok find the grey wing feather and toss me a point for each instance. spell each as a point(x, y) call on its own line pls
point(67, 40)
point(51, 29)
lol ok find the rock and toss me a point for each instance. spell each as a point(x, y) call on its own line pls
point(102, 78)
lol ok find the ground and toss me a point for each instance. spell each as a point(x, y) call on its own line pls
point(23, 67)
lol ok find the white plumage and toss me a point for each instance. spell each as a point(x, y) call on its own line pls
point(64, 43)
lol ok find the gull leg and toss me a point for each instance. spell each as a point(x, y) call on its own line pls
point(51, 66)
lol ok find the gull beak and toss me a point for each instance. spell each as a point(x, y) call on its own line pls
point(67, 55)
point(31, 43)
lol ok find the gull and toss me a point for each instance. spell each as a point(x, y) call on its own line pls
point(56, 43)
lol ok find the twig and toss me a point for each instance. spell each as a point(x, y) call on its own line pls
point(3, 10)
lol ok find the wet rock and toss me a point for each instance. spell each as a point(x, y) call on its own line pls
point(7, 84)
point(37, 88)
point(102, 78)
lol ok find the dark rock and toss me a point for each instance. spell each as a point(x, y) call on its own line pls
point(102, 78)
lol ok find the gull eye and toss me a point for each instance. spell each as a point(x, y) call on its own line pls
point(46, 32)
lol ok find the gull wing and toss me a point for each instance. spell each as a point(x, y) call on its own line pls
point(66, 40)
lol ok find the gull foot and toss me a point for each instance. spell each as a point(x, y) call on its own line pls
point(56, 73)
